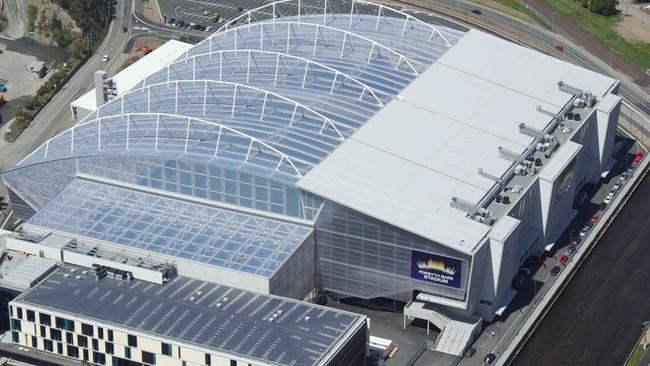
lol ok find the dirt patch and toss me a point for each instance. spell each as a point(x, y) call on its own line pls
point(139, 49)
point(151, 12)
point(635, 27)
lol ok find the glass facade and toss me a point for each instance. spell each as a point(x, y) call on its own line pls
point(363, 257)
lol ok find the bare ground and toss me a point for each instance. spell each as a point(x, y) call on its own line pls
point(136, 52)
point(636, 25)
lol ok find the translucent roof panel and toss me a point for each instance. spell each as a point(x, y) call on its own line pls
point(172, 227)
point(276, 95)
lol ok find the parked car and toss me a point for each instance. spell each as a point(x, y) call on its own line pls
point(525, 270)
point(637, 158)
point(576, 240)
point(193, 39)
point(616, 187)
point(172, 21)
point(584, 231)
point(594, 219)
point(470, 352)
point(555, 270)
point(571, 249)
point(240, 9)
point(3, 88)
point(623, 176)
point(564, 259)
point(608, 199)
point(560, 48)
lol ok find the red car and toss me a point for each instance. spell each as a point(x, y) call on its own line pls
point(594, 219)
point(637, 159)
point(564, 259)
point(559, 48)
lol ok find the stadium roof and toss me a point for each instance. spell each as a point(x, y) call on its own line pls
point(194, 312)
point(172, 227)
point(427, 145)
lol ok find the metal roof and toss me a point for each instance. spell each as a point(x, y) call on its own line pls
point(451, 121)
point(209, 316)
point(172, 227)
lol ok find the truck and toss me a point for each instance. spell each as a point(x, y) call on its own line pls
point(215, 17)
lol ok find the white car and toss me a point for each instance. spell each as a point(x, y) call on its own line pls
point(616, 187)
point(608, 199)
point(105, 58)
point(206, 13)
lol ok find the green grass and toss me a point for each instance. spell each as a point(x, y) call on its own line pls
point(637, 355)
point(603, 28)
point(513, 4)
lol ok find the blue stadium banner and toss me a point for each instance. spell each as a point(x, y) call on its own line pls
point(435, 268)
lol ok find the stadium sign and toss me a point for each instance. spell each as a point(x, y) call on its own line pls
point(436, 269)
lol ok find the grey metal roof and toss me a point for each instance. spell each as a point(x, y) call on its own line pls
point(244, 324)
point(173, 227)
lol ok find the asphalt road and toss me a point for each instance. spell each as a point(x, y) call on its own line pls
point(56, 116)
point(597, 319)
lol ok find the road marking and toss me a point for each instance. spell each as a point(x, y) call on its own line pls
point(141, 28)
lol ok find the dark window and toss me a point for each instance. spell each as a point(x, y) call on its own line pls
point(19, 313)
point(14, 337)
point(208, 359)
point(42, 329)
point(99, 358)
point(127, 352)
point(69, 338)
point(100, 333)
point(233, 363)
point(132, 341)
point(15, 324)
point(148, 358)
point(45, 319)
point(85, 353)
point(55, 334)
point(166, 349)
point(95, 345)
point(82, 341)
point(87, 330)
point(73, 351)
point(34, 342)
point(64, 324)
point(48, 345)
point(59, 348)
point(31, 316)
point(109, 348)
point(110, 335)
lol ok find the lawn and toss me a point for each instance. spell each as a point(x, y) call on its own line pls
point(637, 355)
point(514, 4)
point(603, 28)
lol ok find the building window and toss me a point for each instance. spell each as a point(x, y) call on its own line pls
point(31, 316)
point(99, 358)
point(95, 345)
point(109, 348)
point(45, 319)
point(85, 353)
point(73, 351)
point(100, 333)
point(87, 330)
point(208, 359)
point(64, 324)
point(127, 352)
point(233, 363)
point(34, 342)
point(55, 334)
point(48, 345)
point(15, 325)
point(19, 313)
point(69, 338)
point(110, 335)
point(14, 337)
point(166, 349)
point(59, 348)
point(132, 341)
point(148, 358)
point(82, 341)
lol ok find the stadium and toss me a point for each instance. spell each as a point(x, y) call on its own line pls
point(365, 154)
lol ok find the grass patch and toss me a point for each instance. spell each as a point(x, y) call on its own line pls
point(637, 355)
point(513, 4)
point(603, 28)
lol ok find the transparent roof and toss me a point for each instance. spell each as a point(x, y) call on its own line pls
point(172, 227)
point(277, 95)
